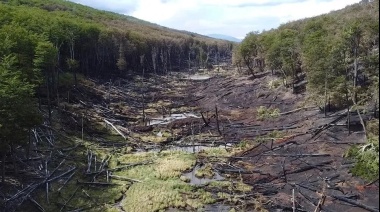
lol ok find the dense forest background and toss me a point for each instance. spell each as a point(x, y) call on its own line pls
point(335, 57)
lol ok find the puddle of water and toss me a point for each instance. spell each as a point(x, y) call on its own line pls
point(190, 149)
point(194, 180)
point(169, 119)
point(198, 77)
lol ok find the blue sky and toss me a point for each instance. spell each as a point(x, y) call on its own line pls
point(230, 17)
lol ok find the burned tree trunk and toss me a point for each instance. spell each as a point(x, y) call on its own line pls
point(3, 167)
point(154, 59)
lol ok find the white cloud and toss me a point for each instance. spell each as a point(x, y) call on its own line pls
point(231, 17)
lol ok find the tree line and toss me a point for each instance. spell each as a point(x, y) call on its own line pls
point(42, 40)
point(336, 55)
point(338, 52)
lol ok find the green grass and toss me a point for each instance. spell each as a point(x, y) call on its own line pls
point(205, 172)
point(267, 113)
point(162, 186)
point(275, 83)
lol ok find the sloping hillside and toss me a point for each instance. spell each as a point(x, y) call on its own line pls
point(334, 59)
point(105, 43)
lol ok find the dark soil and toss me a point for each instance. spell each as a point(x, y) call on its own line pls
point(308, 158)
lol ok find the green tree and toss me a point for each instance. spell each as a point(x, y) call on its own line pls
point(250, 50)
point(45, 61)
point(290, 54)
point(18, 109)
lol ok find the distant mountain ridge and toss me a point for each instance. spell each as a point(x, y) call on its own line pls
point(225, 37)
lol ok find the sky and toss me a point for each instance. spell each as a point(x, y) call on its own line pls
point(234, 18)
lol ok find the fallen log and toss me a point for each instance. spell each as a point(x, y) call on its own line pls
point(66, 181)
point(206, 123)
point(126, 166)
point(61, 175)
point(297, 155)
point(71, 197)
point(320, 204)
point(38, 206)
point(117, 130)
point(96, 183)
point(309, 167)
point(237, 171)
point(302, 169)
point(296, 110)
point(124, 178)
point(326, 126)
point(358, 204)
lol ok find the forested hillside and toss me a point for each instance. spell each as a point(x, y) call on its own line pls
point(335, 55)
point(46, 43)
point(99, 43)
point(42, 41)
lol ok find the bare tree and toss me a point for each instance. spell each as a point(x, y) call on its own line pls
point(154, 59)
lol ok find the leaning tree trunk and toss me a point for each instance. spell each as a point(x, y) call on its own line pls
point(15, 168)
point(48, 95)
point(249, 66)
point(325, 108)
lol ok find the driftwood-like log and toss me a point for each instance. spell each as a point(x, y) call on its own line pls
point(38, 206)
point(117, 130)
point(61, 175)
point(89, 160)
point(52, 173)
point(27, 190)
point(320, 204)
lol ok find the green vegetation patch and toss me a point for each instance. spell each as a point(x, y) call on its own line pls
point(230, 186)
point(161, 186)
point(157, 195)
point(367, 155)
point(266, 113)
point(275, 83)
point(273, 135)
point(215, 152)
point(154, 137)
point(205, 172)
point(173, 164)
